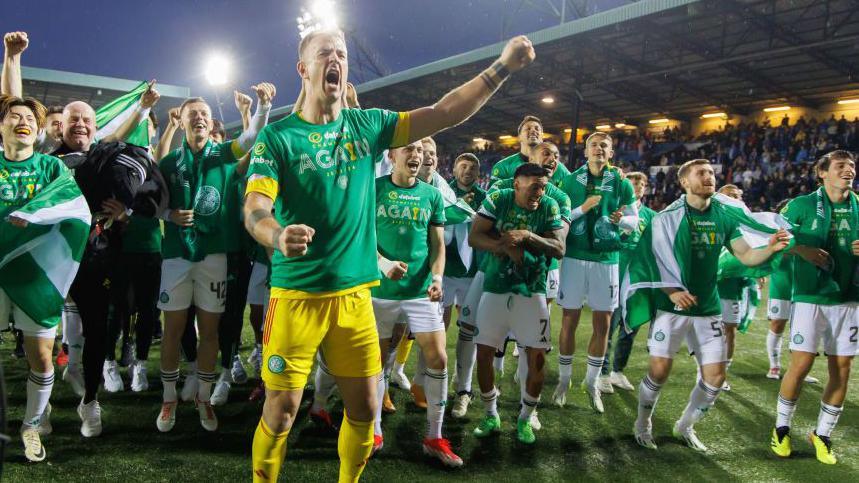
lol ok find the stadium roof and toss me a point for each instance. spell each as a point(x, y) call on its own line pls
point(653, 58)
point(59, 87)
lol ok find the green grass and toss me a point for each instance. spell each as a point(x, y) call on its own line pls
point(575, 443)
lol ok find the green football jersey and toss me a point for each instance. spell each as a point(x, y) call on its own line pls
point(709, 233)
point(506, 168)
point(585, 225)
point(732, 288)
point(142, 235)
point(630, 240)
point(781, 280)
point(808, 280)
point(551, 191)
point(21, 180)
point(502, 275)
point(453, 266)
point(404, 216)
point(212, 171)
point(324, 176)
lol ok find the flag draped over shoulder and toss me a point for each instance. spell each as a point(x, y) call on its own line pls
point(110, 116)
point(39, 262)
point(458, 215)
point(662, 258)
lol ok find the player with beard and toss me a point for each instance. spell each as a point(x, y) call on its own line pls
point(530, 134)
point(825, 299)
point(318, 164)
point(692, 313)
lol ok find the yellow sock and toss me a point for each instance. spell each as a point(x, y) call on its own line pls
point(403, 349)
point(269, 450)
point(354, 446)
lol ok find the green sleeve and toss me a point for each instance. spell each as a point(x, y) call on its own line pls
point(488, 207)
point(553, 216)
point(793, 212)
point(437, 217)
point(384, 123)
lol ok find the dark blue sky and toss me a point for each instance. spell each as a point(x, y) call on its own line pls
point(170, 39)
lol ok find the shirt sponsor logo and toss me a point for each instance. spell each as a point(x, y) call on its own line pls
point(259, 148)
point(259, 160)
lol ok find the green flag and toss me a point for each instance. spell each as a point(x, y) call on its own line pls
point(109, 117)
point(38, 262)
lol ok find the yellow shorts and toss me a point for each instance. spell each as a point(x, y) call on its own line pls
point(343, 327)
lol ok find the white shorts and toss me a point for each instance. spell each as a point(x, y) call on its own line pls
point(732, 311)
point(22, 322)
point(421, 315)
point(705, 337)
point(778, 309)
point(468, 308)
point(836, 325)
point(526, 317)
point(594, 282)
point(455, 290)
point(258, 290)
point(553, 280)
point(202, 283)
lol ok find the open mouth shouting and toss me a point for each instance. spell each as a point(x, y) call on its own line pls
point(332, 78)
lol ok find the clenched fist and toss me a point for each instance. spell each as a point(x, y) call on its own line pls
point(517, 54)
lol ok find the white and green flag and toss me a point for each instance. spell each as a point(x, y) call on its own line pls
point(662, 258)
point(457, 215)
point(39, 262)
point(109, 117)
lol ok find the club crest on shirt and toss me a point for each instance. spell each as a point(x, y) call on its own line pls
point(208, 201)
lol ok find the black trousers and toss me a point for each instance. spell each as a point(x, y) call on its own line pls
point(135, 291)
point(230, 328)
point(91, 293)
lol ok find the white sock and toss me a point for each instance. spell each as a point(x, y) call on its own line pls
point(648, 396)
point(168, 381)
point(490, 402)
point(204, 389)
point(323, 384)
point(436, 391)
point(701, 399)
point(466, 356)
point(529, 405)
point(420, 368)
point(381, 385)
point(192, 367)
point(774, 348)
point(594, 369)
point(522, 371)
point(398, 368)
point(784, 411)
point(827, 419)
point(39, 386)
point(73, 333)
point(498, 362)
point(565, 369)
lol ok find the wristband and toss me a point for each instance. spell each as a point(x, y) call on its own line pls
point(385, 265)
point(437, 278)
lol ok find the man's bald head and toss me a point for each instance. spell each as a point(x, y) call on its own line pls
point(79, 126)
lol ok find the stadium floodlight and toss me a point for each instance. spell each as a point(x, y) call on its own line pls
point(849, 101)
point(478, 140)
point(569, 129)
point(217, 70)
point(776, 108)
point(604, 126)
point(505, 136)
point(319, 15)
point(661, 120)
point(548, 100)
point(620, 125)
point(713, 114)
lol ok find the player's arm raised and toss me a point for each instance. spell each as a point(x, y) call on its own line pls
point(173, 122)
point(751, 257)
point(14, 43)
point(148, 99)
point(461, 103)
point(265, 93)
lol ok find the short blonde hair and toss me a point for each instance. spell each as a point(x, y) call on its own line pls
point(599, 134)
point(302, 46)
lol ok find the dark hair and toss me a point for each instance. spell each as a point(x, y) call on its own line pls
point(218, 128)
point(531, 169)
point(529, 118)
point(55, 109)
point(39, 110)
point(824, 162)
point(468, 157)
point(685, 167)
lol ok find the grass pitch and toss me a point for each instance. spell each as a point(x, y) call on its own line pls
point(574, 445)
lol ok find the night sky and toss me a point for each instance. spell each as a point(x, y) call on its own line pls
point(170, 39)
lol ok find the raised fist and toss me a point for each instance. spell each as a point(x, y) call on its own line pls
point(15, 42)
point(517, 54)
